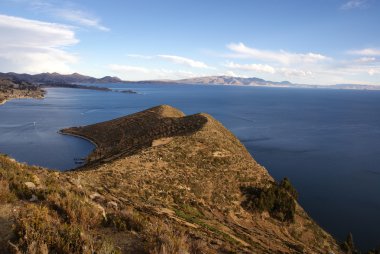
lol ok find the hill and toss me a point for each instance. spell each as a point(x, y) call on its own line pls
point(51, 78)
point(228, 80)
point(56, 79)
point(158, 182)
point(11, 89)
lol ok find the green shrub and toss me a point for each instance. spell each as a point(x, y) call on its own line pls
point(278, 200)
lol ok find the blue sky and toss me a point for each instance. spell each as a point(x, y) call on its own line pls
point(303, 41)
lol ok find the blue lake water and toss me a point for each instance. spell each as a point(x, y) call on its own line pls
point(326, 141)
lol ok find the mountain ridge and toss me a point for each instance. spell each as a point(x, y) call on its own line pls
point(59, 78)
point(44, 78)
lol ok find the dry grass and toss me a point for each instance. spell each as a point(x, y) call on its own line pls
point(179, 197)
point(127, 220)
point(39, 228)
point(5, 194)
point(164, 240)
point(75, 209)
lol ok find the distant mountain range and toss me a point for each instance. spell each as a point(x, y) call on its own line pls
point(53, 78)
point(228, 80)
point(44, 78)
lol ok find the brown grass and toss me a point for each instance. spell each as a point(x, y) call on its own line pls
point(75, 209)
point(165, 240)
point(38, 227)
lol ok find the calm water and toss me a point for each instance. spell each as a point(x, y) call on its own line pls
point(326, 141)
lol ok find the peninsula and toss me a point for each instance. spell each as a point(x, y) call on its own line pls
point(158, 182)
point(10, 89)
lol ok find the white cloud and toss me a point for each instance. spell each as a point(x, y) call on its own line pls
point(35, 46)
point(65, 10)
point(290, 73)
point(372, 72)
point(365, 52)
point(184, 61)
point(264, 68)
point(81, 18)
point(129, 72)
point(242, 51)
point(174, 59)
point(229, 74)
point(365, 60)
point(353, 4)
point(251, 67)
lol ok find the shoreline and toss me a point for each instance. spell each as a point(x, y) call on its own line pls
point(78, 136)
point(23, 97)
point(87, 158)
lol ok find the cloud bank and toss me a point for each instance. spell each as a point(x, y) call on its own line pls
point(240, 50)
point(33, 46)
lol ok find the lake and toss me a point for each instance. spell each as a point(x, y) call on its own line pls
point(326, 141)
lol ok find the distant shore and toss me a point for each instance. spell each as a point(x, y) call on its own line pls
point(20, 97)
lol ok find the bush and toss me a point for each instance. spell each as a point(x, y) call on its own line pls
point(74, 209)
point(5, 194)
point(165, 240)
point(278, 200)
point(127, 220)
point(348, 246)
point(38, 229)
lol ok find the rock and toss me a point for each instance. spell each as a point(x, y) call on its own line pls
point(95, 195)
point(102, 210)
point(33, 198)
point(30, 185)
point(36, 179)
point(112, 204)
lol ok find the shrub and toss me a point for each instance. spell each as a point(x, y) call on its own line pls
point(37, 228)
point(162, 239)
point(278, 200)
point(349, 246)
point(5, 194)
point(74, 209)
point(127, 220)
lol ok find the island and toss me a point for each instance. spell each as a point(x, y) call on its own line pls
point(158, 181)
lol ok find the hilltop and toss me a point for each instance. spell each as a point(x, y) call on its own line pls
point(158, 182)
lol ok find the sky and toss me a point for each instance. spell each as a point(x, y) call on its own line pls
point(303, 41)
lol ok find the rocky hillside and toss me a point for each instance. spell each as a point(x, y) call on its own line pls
point(13, 89)
point(158, 182)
